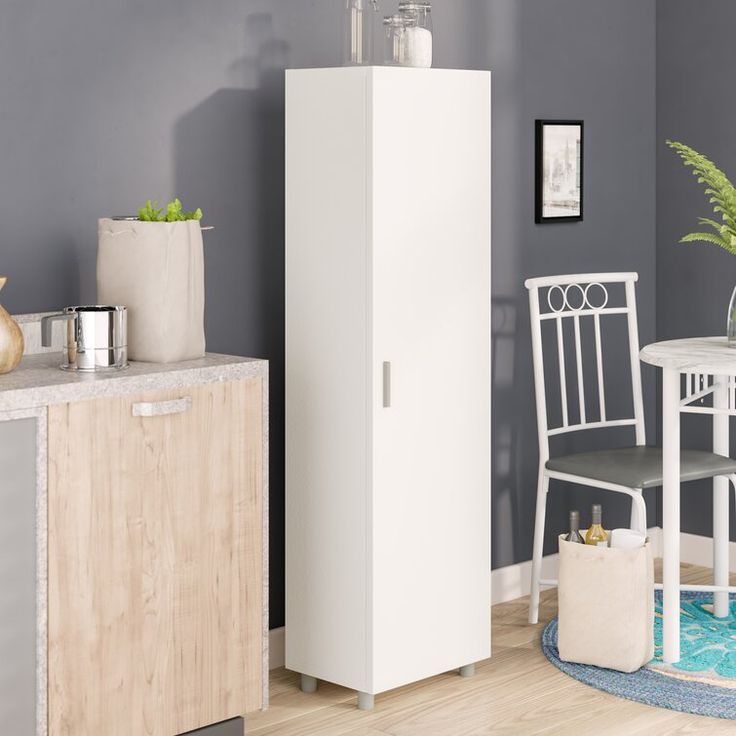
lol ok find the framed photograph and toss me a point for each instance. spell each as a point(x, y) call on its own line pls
point(559, 171)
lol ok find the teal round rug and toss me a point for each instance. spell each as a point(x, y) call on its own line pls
point(703, 682)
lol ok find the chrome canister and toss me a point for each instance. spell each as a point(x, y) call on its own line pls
point(96, 337)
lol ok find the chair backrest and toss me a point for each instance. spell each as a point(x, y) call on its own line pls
point(578, 298)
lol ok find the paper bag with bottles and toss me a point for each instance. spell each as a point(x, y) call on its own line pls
point(606, 604)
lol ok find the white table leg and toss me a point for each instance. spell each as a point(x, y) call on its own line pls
point(720, 499)
point(671, 514)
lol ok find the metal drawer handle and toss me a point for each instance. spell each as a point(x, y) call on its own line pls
point(162, 408)
point(387, 385)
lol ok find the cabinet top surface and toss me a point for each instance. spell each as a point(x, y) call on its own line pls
point(38, 381)
point(385, 70)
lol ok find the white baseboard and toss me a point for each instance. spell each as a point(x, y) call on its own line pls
point(694, 548)
point(698, 550)
point(509, 583)
point(513, 581)
point(276, 648)
point(655, 539)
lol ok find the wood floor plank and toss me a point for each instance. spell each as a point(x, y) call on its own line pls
point(516, 693)
point(288, 702)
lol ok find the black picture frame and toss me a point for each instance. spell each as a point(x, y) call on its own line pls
point(541, 212)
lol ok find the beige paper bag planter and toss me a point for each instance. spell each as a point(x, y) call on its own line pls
point(606, 606)
point(156, 270)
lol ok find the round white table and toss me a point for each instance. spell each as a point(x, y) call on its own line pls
point(709, 366)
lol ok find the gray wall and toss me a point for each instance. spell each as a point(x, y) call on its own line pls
point(586, 59)
point(695, 53)
point(108, 102)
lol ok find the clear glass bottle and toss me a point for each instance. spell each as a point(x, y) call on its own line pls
point(574, 534)
point(358, 21)
point(597, 535)
point(418, 33)
point(731, 323)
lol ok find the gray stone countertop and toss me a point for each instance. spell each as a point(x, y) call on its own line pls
point(38, 381)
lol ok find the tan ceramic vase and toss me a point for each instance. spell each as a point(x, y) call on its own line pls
point(11, 339)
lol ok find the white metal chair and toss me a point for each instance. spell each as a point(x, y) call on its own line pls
point(624, 470)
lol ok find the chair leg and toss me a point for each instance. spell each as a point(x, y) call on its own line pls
point(542, 489)
point(637, 522)
point(726, 606)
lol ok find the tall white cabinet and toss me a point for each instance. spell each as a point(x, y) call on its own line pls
point(388, 381)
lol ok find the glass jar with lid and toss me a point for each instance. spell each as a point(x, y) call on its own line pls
point(394, 28)
point(417, 37)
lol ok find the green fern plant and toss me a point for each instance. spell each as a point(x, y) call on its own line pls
point(721, 194)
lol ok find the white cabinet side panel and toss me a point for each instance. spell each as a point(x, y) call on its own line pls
point(431, 321)
point(326, 374)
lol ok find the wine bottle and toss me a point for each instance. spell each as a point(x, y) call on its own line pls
point(574, 534)
point(597, 535)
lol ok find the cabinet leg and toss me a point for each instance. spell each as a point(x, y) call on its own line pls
point(366, 701)
point(467, 671)
point(309, 684)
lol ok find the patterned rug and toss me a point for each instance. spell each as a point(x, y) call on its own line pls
point(703, 682)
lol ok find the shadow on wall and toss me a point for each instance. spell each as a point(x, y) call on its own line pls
point(513, 432)
point(493, 32)
point(505, 430)
point(229, 160)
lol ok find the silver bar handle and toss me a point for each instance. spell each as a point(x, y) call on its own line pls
point(386, 385)
point(47, 326)
point(162, 408)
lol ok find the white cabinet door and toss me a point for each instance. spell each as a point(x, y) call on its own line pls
point(430, 523)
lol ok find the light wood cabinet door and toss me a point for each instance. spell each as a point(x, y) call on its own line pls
point(155, 561)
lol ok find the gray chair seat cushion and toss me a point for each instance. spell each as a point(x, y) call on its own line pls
point(640, 467)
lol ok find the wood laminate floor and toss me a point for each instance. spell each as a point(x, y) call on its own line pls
point(516, 692)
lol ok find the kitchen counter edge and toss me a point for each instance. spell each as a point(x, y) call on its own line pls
point(38, 381)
